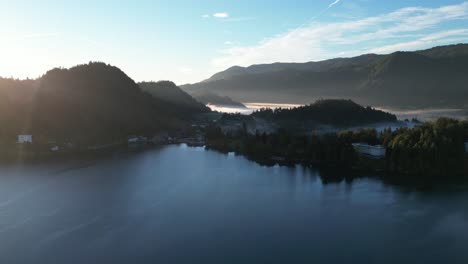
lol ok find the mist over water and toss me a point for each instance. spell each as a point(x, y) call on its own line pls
point(420, 114)
point(249, 107)
point(428, 114)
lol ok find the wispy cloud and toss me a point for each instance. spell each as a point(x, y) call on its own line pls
point(226, 17)
point(404, 29)
point(237, 19)
point(325, 10)
point(439, 38)
point(334, 3)
point(221, 15)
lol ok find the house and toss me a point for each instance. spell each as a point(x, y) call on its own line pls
point(132, 140)
point(137, 140)
point(24, 139)
point(54, 148)
point(369, 150)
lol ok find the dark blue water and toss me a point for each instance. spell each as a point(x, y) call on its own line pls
point(186, 205)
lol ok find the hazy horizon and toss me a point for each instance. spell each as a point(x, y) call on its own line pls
point(151, 41)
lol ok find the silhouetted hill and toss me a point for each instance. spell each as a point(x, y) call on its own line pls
point(16, 98)
point(211, 98)
point(328, 112)
point(169, 92)
point(320, 66)
point(430, 78)
point(451, 51)
point(92, 103)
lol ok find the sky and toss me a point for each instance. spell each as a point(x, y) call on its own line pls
point(188, 41)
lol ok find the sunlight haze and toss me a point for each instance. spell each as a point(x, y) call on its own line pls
point(188, 41)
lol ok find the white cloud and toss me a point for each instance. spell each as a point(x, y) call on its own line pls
point(226, 17)
point(221, 15)
point(403, 29)
point(228, 43)
point(334, 3)
point(438, 38)
point(238, 19)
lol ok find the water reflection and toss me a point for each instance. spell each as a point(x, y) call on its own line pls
point(178, 204)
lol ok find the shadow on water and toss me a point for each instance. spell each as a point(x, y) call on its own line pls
point(337, 175)
point(328, 175)
point(174, 204)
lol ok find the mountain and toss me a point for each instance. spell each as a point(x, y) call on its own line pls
point(428, 78)
point(168, 92)
point(92, 103)
point(211, 98)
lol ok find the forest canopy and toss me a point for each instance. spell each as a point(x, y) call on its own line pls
point(330, 111)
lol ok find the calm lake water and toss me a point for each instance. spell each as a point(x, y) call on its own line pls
point(178, 204)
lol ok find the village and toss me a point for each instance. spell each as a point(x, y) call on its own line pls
point(192, 135)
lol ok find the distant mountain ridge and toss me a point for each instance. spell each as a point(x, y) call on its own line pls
point(434, 77)
point(169, 92)
point(320, 66)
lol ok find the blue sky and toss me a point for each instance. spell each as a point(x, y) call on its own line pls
point(187, 41)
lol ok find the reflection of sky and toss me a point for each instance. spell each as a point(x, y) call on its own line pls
point(174, 199)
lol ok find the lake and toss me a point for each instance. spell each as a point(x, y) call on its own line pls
point(177, 204)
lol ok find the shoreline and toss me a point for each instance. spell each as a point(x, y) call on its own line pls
point(364, 165)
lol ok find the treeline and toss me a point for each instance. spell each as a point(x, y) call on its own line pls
point(430, 149)
point(435, 148)
point(283, 147)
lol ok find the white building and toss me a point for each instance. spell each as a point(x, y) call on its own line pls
point(369, 150)
point(132, 140)
point(54, 148)
point(24, 139)
point(137, 140)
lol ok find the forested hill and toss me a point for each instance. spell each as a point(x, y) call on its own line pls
point(95, 102)
point(169, 92)
point(429, 78)
point(212, 98)
point(328, 112)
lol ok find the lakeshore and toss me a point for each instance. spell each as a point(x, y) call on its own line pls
point(148, 206)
